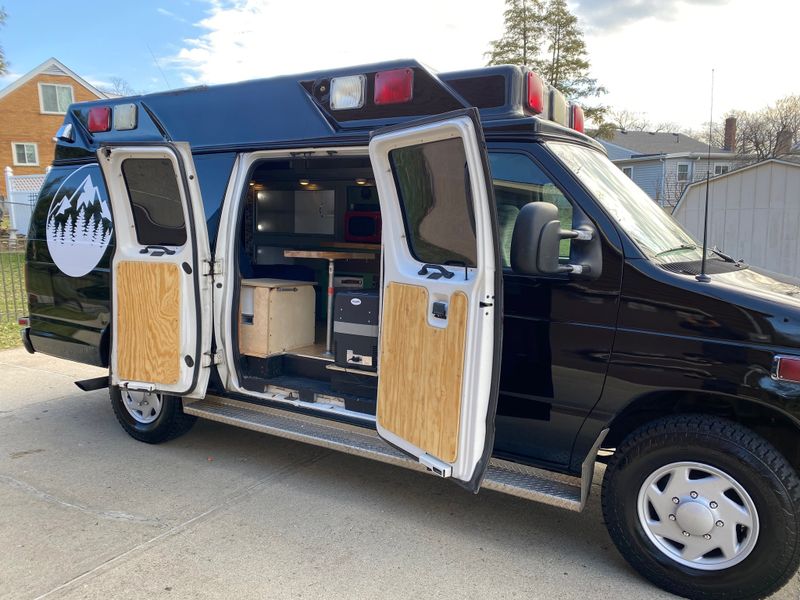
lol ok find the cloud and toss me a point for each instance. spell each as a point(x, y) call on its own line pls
point(246, 39)
point(612, 14)
point(166, 13)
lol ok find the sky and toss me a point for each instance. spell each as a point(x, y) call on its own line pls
point(654, 56)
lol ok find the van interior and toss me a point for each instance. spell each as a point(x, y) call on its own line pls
point(300, 217)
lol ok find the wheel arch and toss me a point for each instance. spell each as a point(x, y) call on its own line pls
point(773, 424)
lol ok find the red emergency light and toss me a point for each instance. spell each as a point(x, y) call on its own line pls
point(394, 87)
point(576, 120)
point(535, 93)
point(99, 119)
point(787, 368)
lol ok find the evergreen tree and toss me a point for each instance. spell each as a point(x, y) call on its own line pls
point(547, 38)
point(521, 42)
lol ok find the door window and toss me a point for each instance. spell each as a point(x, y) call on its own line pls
point(155, 201)
point(518, 181)
point(432, 181)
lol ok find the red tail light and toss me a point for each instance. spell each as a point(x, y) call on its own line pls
point(394, 87)
point(787, 368)
point(99, 119)
point(576, 117)
point(23, 321)
point(535, 93)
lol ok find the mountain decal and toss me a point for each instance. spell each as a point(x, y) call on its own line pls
point(79, 226)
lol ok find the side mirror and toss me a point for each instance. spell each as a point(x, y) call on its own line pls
point(537, 238)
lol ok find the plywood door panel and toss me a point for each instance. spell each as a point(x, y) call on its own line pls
point(148, 327)
point(421, 370)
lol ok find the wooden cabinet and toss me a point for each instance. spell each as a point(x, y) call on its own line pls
point(275, 316)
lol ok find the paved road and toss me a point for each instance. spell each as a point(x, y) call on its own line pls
point(87, 512)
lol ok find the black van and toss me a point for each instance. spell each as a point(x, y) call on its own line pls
point(438, 271)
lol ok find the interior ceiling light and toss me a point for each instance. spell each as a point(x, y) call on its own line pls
point(304, 182)
point(361, 181)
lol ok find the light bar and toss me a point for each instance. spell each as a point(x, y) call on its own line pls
point(125, 117)
point(99, 119)
point(535, 93)
point(347, 92)
point(394, 87)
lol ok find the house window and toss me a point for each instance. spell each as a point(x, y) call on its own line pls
point(628, 171)
point(721, 169)
point(55, 99)
point(25, 154)
point(683, 172)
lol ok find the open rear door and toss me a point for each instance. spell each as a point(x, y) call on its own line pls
point(441, 309)
point(161, 299)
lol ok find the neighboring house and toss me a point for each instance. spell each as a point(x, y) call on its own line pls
point(32, 109)
point(753, 213)
point(663, 164)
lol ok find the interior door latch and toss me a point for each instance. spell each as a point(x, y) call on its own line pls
point(440, 310)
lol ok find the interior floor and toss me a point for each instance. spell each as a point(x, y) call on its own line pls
point(301, 219)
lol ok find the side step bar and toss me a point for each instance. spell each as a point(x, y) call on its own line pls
point(502, 476)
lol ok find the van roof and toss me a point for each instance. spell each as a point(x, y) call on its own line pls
point(294, 110)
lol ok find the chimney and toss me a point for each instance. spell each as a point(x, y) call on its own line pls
point(730, 134)
point(783, 144)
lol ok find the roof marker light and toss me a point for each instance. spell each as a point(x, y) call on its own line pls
point(125, 117)
point(348, 92)
point(576, 120)
point(394, 87)
point(535, 93)
point(99, 119)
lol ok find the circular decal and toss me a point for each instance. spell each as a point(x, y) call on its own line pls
point(79, 224)
point(355, 301)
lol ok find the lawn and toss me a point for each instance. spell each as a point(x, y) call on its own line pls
point(12, 297)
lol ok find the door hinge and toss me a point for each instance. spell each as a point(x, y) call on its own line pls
point(212, 268)
point(442, 469)
point(211, 358)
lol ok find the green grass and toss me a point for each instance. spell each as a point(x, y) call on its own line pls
point(9, 335)
point(12, 297)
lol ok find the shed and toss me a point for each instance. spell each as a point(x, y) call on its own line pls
point(753, 213)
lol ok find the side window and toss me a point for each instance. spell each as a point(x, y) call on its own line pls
point(518, 181)
point(433, 182)
point(155, 201)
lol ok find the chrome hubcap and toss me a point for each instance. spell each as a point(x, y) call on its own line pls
point(698, 515)
point(144, 407)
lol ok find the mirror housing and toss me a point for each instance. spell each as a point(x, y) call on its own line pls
point(536, 241)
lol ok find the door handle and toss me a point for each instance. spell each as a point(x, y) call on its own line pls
point(442, 272)
point(156, 250)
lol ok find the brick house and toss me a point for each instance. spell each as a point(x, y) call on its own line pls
point(31, 110)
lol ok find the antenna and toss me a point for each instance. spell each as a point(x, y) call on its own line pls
point(703, 277)
point(158, 66)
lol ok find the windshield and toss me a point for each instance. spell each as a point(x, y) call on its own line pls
point(655, 232)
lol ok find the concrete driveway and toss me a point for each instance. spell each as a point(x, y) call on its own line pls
point(87, 512)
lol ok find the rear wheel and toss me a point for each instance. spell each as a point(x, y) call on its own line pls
point(704, 508)
point(150, 417)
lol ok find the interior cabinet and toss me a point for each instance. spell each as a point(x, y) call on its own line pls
point(275, 316)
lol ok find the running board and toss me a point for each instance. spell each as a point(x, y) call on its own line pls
point(501, 476)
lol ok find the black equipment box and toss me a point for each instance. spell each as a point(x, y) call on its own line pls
point(355, 329)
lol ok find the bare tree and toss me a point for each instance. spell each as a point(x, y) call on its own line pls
point(628, 120)
point(3, 61)
point(120, 87)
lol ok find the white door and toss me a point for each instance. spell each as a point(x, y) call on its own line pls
point(161, 299)
point(441, 308)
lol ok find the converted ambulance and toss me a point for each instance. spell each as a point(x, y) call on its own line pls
point(438, 271)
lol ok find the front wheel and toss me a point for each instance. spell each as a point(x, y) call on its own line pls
point(150, 417)
point(704, 508)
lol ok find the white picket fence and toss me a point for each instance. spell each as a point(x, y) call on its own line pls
point(21, 194)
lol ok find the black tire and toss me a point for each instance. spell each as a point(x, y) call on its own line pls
point(171, 423)
point(762, 471)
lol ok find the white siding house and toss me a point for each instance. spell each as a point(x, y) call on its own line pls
point(663, 164)
point(753, 214)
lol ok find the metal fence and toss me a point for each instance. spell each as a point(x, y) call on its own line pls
point(13, 303)
point(15, 216)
